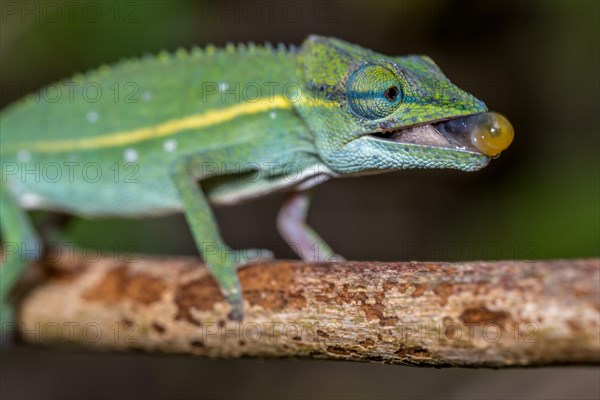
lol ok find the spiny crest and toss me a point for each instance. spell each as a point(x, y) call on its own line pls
point(181, 53)
point(229, 48)
point(195, 53)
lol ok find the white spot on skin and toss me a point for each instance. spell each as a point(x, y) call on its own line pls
point(23, 156)
point(92, 116)
point(146, 96)
point(130, 155)
point(170, 145)
point(273, 115)
point(31, 200)
point(230, 292)
point(223, 86)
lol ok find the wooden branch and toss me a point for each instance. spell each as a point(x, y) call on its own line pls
point(471, 314)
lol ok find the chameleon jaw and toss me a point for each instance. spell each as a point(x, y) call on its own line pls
point(424, 136)
point(486, 133)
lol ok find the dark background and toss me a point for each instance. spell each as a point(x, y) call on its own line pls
point(537, 62)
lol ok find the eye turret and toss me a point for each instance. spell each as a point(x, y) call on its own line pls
point(374, 92)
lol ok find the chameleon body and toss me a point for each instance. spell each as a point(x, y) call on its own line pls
point(218, 126)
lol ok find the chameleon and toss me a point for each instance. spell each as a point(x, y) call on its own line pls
point(190, 130)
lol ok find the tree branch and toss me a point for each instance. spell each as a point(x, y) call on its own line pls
point(473, 314)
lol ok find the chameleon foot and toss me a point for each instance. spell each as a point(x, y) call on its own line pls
point(226, 276)
point(233, 295)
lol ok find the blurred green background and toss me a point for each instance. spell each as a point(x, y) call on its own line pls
point(537, 62)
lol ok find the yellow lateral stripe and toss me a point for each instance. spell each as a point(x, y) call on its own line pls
point(167, 128)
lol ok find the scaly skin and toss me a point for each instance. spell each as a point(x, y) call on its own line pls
point(188, 140)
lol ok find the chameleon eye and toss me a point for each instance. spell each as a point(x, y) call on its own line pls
point(374, 92)
point(392, 93)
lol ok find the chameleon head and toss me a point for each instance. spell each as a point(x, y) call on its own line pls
point(371, 113)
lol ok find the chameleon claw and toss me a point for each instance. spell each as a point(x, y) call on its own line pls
point(234, 298)
point(229, 282)
point(236, 314)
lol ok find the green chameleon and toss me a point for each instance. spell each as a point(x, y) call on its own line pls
point(178, 132)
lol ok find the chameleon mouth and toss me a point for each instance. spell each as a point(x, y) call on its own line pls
point(485, 133)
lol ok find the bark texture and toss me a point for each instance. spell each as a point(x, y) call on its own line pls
point(469, 314)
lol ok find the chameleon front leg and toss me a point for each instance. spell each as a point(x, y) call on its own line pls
point(291, 223)
point(22, 247)
point(222, 262)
